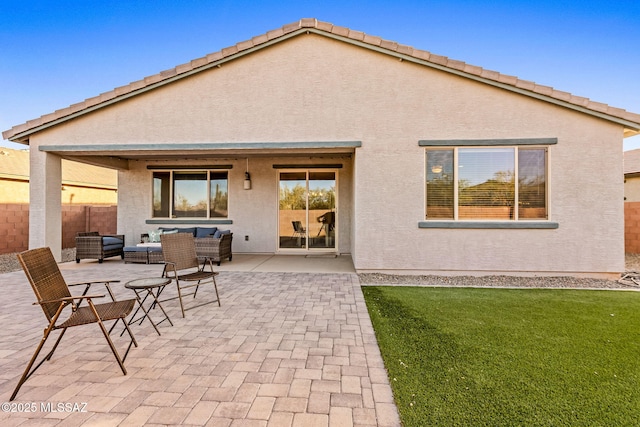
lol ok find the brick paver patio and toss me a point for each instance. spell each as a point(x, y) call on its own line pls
point(285, 349)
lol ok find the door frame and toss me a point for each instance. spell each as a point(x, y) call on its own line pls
point(307, 250)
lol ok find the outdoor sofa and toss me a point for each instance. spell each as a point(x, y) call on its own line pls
point(92, 245)
point(210, 242)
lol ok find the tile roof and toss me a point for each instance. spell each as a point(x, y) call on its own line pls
point(14, 164)
point(630, 120)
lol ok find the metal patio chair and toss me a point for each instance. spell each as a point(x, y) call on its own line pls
point(298, 229)
point(183, 266)
point(53, 295)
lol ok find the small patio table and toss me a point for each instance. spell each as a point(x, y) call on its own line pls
point(148, 285)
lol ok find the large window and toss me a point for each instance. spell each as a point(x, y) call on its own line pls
point(190, 194)
point(478, 183)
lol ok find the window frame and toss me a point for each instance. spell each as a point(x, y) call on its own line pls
point(515, 222)
point(180, 170)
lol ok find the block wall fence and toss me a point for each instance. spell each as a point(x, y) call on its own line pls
point(14, 224)
point(632, 227)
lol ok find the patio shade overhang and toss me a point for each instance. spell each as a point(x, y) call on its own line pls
point(118, 155)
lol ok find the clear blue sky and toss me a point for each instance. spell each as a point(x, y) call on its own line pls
point(54, 53)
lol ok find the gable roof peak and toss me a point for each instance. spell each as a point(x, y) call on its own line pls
point(630, 121)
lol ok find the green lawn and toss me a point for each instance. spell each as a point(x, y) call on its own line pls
point(498, 357)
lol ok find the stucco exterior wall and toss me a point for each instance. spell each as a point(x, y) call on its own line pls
point(74, 195)
point(313, 88)
point(18, 192)
point(14, 191)
point(254, 212)
point(632, 189)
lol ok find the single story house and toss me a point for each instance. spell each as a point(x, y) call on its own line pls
point(315, 138)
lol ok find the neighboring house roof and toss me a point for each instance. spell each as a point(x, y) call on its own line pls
point(630, 121)
point(14, 165)
point(632, 163)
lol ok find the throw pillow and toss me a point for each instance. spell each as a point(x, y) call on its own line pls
point(154, 236)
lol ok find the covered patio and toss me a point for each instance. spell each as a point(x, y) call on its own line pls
point(291, 345)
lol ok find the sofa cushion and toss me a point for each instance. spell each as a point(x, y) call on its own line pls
point(205, 231)
point(219, 233)
point(191, 230)
point(174, 231)
point(165, 229)
point(135, 249)
point(112, 247)
point(108, 240)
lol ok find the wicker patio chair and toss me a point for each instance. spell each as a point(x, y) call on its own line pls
point(182, 265)
point(92, 245)
point(216, 248)
point(53, 295)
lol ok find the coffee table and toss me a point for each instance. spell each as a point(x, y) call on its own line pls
point(149, 285)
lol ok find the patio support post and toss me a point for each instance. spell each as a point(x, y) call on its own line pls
point(45, 201)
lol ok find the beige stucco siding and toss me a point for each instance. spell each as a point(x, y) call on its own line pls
point(18, 192)
point(632, 189)
point(584, 199)
point(14, 191)
point(281, 94)
point(312, 88)
point(254, 212)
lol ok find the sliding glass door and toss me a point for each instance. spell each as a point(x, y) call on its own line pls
point(307, 210)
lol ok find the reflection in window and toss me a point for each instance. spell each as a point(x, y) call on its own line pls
point(532, 194)
point(440, 184)
point(293, 190)
point(322, 190)
point(480, 183)
point(219, 196)
point(161, 194)
point(486, 186)
point(190, 194)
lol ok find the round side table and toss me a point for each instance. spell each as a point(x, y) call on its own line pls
point(139, 286)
